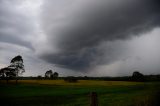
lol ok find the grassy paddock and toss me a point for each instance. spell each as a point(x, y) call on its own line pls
point(79, 83)
point(61, 93)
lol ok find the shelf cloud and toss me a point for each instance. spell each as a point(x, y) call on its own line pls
point(79, 29)
point(81, 37)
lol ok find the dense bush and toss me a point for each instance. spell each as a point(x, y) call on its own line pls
point(71, 79)
point(137, 76)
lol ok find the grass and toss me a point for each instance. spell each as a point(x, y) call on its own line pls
point(61, 93)
point(80, 82)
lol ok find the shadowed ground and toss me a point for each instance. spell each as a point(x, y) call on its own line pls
point(50, 93)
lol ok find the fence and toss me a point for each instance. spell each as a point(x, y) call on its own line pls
point(94, 99)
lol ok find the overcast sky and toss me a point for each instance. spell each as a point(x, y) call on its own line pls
point(81, 37)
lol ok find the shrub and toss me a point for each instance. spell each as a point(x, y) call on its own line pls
point(137, 76)
point(71, 79)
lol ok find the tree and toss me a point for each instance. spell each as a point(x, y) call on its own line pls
point(48, 74)
point(7, 72)
point(54, 75)
point(15, 68)
point(137, 76)
point(17, 64)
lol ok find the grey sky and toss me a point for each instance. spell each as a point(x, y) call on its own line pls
point(95, 38)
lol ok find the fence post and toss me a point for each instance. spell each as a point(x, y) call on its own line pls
point(94, 99)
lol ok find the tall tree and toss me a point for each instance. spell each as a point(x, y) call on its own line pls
point(48, 74)
point(15, 68)
point(17, 64)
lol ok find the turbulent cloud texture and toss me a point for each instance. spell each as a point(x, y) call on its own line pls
point(81, 31)
point(15, 26)
point(81, 37)
point(17, 33)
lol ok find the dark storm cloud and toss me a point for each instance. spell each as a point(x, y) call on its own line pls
point(15, 26)
point(79, 34)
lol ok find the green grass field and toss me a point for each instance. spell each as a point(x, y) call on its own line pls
point(61, 93)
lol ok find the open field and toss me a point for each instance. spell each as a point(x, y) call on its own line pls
point(79, 83)
point(61, 93)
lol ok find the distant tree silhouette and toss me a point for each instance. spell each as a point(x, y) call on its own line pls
point(39, 77)
point(137, 76)
point(54, 75)
point(71, 79)
point(48, 74)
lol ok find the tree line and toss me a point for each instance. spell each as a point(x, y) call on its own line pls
point(16, 68)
